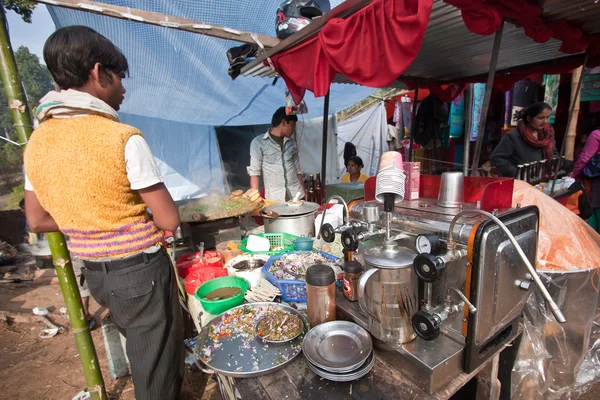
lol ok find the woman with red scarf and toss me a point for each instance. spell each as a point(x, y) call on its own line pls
point(533, 140)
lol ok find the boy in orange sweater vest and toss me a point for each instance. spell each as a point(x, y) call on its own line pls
point(93, 178)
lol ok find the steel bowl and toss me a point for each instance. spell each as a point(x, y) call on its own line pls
point(337, 346)
point(280, 341)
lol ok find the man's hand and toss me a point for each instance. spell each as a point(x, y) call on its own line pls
point(161, 204)
point(38, 219)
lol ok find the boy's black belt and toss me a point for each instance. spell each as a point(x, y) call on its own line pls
point(114, 265)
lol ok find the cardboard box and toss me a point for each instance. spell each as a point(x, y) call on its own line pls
point(413, 177)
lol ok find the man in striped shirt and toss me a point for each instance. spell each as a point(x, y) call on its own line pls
point(275, 156)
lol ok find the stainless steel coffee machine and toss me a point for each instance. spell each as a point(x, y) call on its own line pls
point(445, 282)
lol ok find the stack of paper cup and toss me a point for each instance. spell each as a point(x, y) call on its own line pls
point(390, 177)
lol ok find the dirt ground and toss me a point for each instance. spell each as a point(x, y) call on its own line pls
point(34, 368)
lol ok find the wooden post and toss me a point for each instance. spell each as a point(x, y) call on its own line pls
point(486, 100)
point(413, 124)
point(60, 254)
point(572, 127)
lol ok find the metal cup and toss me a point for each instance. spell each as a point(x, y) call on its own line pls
point(451, 193)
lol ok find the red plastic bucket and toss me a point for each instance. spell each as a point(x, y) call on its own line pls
point(198, 276)
point(185, 263)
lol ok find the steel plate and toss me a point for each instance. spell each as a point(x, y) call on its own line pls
point(347, 377)
point(337, 346)
point(247, 357)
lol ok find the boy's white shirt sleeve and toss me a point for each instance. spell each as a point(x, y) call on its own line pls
point(142, 171)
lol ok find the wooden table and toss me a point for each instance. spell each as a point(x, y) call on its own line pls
point(297, 382)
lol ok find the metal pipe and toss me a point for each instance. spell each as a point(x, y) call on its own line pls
point(553, 306)
point(346, 214)
point(571, 112)
point(413, 124)
point(488, 95)
point(324, 150)
point(428, 296)
point(472, 308)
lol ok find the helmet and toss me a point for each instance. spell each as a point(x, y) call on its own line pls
point(293, 15)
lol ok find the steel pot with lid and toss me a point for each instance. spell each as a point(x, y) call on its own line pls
point(289, 218)
point(388, 292)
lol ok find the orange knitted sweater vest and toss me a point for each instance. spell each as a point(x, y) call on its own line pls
point(77, 169)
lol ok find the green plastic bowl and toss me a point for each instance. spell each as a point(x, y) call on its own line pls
point(216, 307)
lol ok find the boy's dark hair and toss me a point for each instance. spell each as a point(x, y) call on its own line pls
point(357, 160)
point(280, 115)
point(71, 52)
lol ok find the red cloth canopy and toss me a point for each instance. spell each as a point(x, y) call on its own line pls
point(371, 47)
point(374, 46)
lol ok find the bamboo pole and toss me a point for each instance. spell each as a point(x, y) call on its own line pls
point(77, 317)
point(15, 94)
point(572, 127)
point(60, 254)
point(563, 146)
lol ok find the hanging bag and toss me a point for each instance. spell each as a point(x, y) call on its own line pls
point(592, 168)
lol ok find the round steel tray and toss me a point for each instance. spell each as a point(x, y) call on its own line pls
point(337, 346)
point(234, 358)
point(347, 377)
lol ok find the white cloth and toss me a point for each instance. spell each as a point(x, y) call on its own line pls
point(142, 171)
point(73, 103)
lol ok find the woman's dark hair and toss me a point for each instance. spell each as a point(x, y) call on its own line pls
point(71, 52)
point(280, 115)
point(533, 110)
point(349, 151)
point(357, 160)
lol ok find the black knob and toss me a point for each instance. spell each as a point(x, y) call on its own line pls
point(426, 326)
point(328, 233)
point(349, 240)
point(428, 267)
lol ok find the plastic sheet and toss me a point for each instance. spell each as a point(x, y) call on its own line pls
point(566, 242)
point(560, 361)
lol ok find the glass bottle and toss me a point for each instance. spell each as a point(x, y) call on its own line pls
point(310, 196)
point(318, 190)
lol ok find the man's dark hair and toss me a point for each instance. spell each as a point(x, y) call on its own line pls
point(357, 160)
point(71, 52)
point(280, 115)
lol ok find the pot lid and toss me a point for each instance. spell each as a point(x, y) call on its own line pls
point(395, 258)
point(287, 210)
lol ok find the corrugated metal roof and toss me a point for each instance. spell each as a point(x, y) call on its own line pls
point(582, 13)
point(450, 51)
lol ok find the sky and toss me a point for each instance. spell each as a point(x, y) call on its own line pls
point(32, 35)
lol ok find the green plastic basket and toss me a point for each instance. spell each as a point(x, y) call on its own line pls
point(284, 240)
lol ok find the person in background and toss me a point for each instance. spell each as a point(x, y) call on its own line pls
point(349, 151)
point(99, 199)
point(591, 150)
point(355, 165)
point(274, 155)
point(532, 140)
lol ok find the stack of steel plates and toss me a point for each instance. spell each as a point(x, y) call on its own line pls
point(339, 351)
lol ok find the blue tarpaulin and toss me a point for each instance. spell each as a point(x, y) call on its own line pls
point(180, 79)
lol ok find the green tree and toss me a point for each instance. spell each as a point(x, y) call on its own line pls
point(22, 7)
point(36, 80)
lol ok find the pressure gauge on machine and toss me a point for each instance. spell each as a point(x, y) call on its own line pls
point(429, 243)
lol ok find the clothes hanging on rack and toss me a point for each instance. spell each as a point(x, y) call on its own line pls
point(551, 82)
point(476, 108)
point(457, 117)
